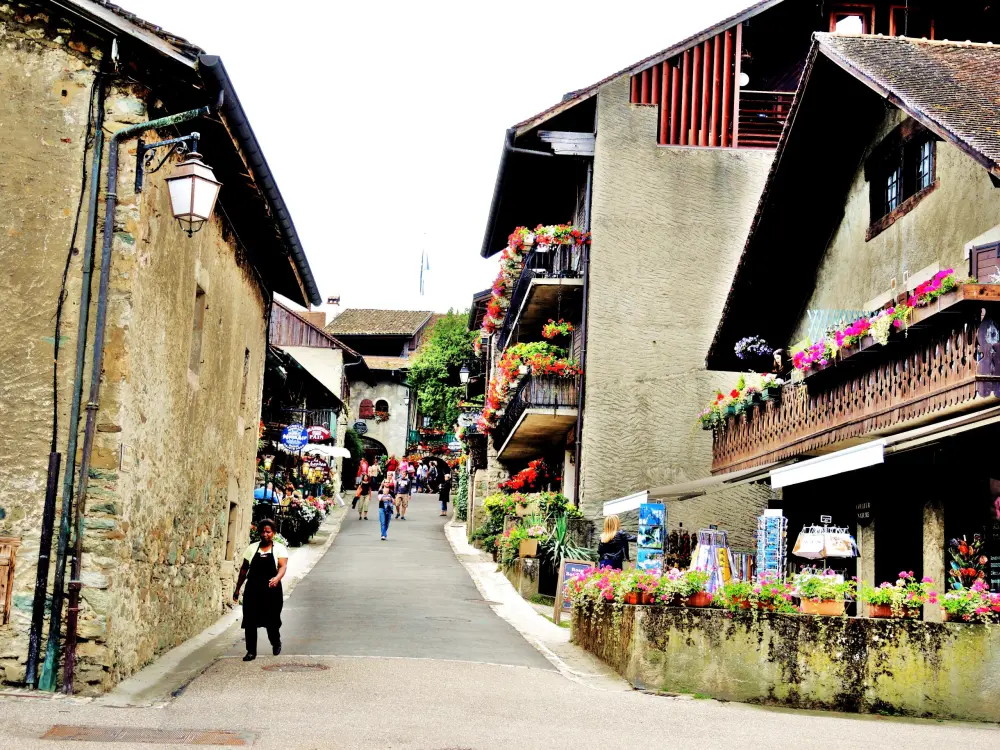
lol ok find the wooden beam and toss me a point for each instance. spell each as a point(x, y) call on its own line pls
point(634, 98)
point(664, 133)
point(644, 87)
point(736, 85)
point(727, 89)
point(713, 139)
point(706, 88)
point(685, 96)
point(675, 103)
point(695, 95)
point(655, 83)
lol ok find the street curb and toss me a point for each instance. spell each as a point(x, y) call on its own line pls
point(166, 677)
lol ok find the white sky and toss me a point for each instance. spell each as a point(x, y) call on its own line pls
point(383, 121)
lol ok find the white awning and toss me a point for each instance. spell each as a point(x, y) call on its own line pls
point(849, 459)
point(326, 365)
point(625, 504)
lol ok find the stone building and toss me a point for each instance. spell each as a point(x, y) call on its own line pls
point(382, 405)
point(171, 470)
point(663, 162)
point(895, 436)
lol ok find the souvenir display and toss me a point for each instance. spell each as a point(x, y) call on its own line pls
point(817, 542)
point(652, 522)
point(712, 555)
point(772, 543)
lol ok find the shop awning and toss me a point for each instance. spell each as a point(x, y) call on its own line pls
point(848, 459)
point(326, 365)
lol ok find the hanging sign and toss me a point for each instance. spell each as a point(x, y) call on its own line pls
point(360, 427)
point(318, 434)
point(294, 437)
point(455, 445)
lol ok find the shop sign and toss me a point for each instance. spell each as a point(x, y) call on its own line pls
point(294, 437)
point(318, 434)
point(567, 569)
point(455, 445)
point(863, 512)
point(360, 427)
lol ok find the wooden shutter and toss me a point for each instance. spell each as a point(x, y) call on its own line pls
point(8, 556)
point(985, 261)
point(367, 409)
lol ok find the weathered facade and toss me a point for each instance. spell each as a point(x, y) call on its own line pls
point(171, 472)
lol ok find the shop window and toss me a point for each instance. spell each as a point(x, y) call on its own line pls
point(900, 173)
point(366, 410)
point(197, 330)
point(852, 19)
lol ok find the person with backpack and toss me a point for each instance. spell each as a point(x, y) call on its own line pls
point(385, 509)
point(612, 552)
point(432, 478)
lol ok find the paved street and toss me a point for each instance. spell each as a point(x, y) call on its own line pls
point(389, 645)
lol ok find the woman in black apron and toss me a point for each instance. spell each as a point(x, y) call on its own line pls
point(264, 565)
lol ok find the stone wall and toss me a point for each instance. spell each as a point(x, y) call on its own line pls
point(392, 433)
point(173, 463)
point(668, 226)
point(907, 667)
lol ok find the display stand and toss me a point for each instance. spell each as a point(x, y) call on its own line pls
point(772, 544)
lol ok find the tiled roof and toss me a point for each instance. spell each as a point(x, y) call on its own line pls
point(359, 322)
point(387, 363)
point(952, 87)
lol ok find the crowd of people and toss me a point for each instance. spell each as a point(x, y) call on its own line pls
point(402, 480)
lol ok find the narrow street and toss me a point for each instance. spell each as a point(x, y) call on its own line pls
point(390, 645)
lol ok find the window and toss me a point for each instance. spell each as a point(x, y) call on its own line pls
point(910, 21)
point(382, 405)
point(246, 376)
point(8, 557)
point(197, 329)
point(847, 18)
point(900, 172)
point(366, 410)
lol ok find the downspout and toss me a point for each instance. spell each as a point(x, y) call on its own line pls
point(47, 679)
point(93, 402)
point(583, 336)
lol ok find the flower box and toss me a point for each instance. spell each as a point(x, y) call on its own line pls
point(647, 598)
point(824, 607)
point(528, 548)
point(771, 394)
point(699, 599)
point(880, 611)
point(632, 597)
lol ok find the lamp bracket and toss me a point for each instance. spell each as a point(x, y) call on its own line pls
point(145, 154)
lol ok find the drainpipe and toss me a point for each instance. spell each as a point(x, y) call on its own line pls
point(583, 337)
point(93, 403)
point(47, 679)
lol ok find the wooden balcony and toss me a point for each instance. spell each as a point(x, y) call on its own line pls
point(538, 416)
point(948, 363)
point(762, 117)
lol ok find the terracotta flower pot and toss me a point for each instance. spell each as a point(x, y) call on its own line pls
point(699, 599)
point(880, 610)
point(741, 603)
point(528, 548)
point(648, 598)
point(632, 597)
point(825, 607)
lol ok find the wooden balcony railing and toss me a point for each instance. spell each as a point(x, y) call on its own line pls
point(948, 364)
point(535, 391)
point(762, 117)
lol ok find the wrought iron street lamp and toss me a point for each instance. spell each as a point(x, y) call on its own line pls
point(193, 191)
point(463, 375)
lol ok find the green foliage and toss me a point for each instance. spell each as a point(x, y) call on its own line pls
point(434, 372)
point(462, 501)
point(560, 546)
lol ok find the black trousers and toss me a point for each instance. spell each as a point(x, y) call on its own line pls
point(273, 635)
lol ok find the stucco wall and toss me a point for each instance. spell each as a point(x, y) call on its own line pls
point(668, 226)
point(173, 452)
point(393, 432)
point(939, 670)
point(963, 207)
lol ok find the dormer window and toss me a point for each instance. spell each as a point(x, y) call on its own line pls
point(851, 18)
point(900, 172)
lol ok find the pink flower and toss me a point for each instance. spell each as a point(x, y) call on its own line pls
point(927, 579)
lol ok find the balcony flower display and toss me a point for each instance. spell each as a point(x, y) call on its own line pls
point(807, 354)
point(751, 347)
point(552, 329)
point(512, 261)
point(749, 389)
point(531, 479)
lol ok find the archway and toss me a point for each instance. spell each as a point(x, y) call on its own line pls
point(373, 449)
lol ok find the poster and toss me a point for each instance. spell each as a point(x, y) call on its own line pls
point(567, 570)
point(652, 523)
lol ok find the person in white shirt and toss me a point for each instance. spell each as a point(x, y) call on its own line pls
point(264, 565)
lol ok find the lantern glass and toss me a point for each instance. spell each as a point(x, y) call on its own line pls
point(193, 192)
point(463, 374)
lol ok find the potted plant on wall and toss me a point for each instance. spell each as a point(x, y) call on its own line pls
point(973, 604)
point(692, 585)
point(901, 599)
point(535, 533)
point(823, 594)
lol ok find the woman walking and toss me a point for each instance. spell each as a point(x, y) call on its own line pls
point(365, 495)
point(612, 552)
point(264, 565)
point(403, 488)
point(445, 494)
point(385, 509)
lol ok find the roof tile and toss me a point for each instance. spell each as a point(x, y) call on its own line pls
point(362, 322)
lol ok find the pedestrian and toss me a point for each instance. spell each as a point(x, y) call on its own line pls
point(364, 496)
point(432, 478)
point(385, 509)
point(612, 552)
point(445, 494)
point(403, 488)
point(392, 464)
point(264, 565)
point(419, 476)
point(390, 479)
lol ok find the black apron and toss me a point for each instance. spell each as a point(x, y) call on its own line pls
point(261, 603)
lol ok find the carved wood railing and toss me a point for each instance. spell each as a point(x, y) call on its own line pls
point(951, 363)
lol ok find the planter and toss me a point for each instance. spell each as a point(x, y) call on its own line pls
point(647, 598)
point(771, 394)
point(528, 548)
point(741, 603)
point(632, 598)
point(879, 611)
point(730, 411)
point(824, 607)
point(700, 599)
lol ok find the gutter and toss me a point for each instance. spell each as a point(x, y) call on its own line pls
point(213, 72)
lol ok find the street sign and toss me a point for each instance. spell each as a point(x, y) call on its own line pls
point(294, 437)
